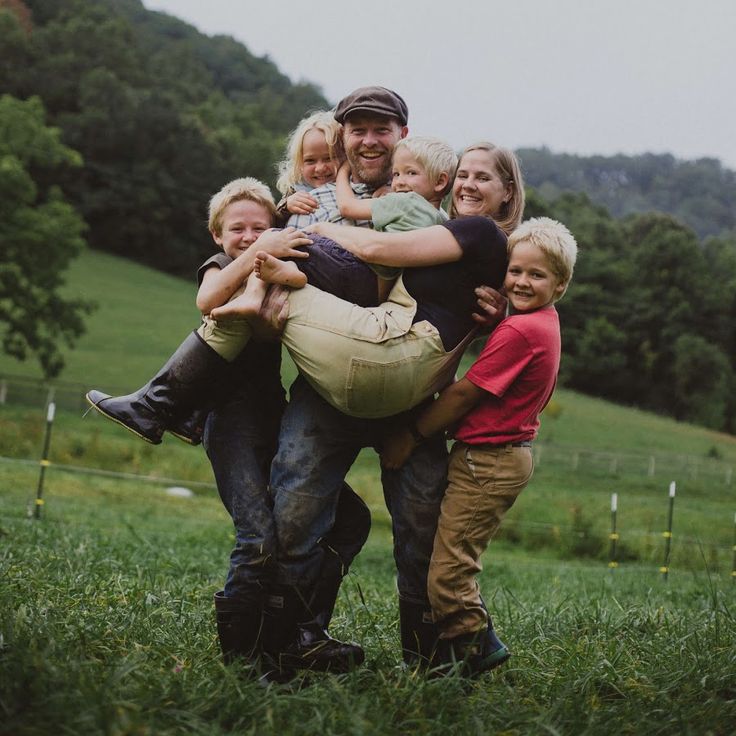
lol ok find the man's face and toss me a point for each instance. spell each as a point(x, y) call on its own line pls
point(369, 145)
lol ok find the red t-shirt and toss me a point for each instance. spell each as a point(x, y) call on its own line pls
point(517, 369)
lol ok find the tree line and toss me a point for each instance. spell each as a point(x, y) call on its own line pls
point(117, 123)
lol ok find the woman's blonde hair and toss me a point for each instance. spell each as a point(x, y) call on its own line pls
point(290, 169)
point(508, 170)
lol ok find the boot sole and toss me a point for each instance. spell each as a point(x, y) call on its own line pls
point(98, 408)
point(493, 660)
point(183, 438)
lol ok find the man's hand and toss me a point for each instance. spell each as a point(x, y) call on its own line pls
point(396, 448)
point(329, 230)
point(283, 243)
point(301, 203)
point(272, 316)
point(492, 304)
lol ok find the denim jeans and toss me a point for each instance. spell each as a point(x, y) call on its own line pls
point(317, 446)
point(240, 439)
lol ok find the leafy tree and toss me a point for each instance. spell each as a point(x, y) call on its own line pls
point(39, 234)
point(702, 378)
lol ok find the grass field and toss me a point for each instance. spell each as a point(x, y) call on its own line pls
point(106, 622)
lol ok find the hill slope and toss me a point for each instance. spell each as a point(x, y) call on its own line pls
point(143, 314)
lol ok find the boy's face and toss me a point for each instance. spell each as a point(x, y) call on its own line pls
point(369, 142)
point(408, 175)
point(242, 223)
point(318, 167)
point(530, 281)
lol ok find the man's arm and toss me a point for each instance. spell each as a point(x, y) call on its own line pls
point(453, 403)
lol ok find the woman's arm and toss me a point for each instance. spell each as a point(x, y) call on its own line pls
point(427, 246)
point(349, 205)
point(219, 284)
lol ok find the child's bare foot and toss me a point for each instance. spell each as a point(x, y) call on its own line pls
point(271, 270)
point(246, 305)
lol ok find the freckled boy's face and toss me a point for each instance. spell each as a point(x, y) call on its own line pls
point(242, 223)
point(530, 281)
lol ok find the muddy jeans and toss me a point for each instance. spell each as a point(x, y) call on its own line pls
point(240, 439)
point(483, 483)
point(317, 446)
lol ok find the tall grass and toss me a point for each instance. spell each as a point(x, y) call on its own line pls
point(107, 627)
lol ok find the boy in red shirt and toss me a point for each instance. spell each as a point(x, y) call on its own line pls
point(495, 413)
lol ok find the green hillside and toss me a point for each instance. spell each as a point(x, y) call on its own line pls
point(143, 314)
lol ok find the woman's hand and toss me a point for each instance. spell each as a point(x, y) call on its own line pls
point(301, 203)
point(493, 305)
point(396, 449)
point(283, 243)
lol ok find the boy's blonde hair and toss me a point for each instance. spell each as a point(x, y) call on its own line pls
point(245, 188)
point(436, 156)
point(554, 240)
point(508, 169)
point(290, 169)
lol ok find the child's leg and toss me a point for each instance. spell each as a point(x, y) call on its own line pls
point(272, 270)
point(482, 485)
point(244, 305)
point(190, 375)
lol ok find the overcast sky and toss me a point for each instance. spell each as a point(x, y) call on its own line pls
point(579, 76)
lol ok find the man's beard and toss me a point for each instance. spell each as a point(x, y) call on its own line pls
point(370, 176)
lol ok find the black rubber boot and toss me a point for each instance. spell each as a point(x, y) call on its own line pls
point(238, 628)
point(187, 381)
point(191, 428)
point(419, 634)
point(294, 639)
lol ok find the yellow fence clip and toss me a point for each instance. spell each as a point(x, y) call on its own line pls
point(40, 502)
point(613, 564)
point(45, 463)
point(664, 569)
point(667, 535)
point(613, 535)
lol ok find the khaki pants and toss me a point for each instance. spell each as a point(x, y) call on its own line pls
point(483, 483)
point(367, 362)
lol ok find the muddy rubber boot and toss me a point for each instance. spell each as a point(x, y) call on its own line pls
point(238, 628)
point(293, 640)
point(185, 382)
point(419, 635)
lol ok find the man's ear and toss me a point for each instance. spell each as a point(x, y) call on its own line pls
point(404, 131)
point(441, 183)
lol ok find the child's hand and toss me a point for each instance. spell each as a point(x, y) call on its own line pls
point(493, 305)
point(396, 449)
point(301, 203)
point(385, 189)
point(284, 243)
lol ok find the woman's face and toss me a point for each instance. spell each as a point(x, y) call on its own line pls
point(478, 189)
